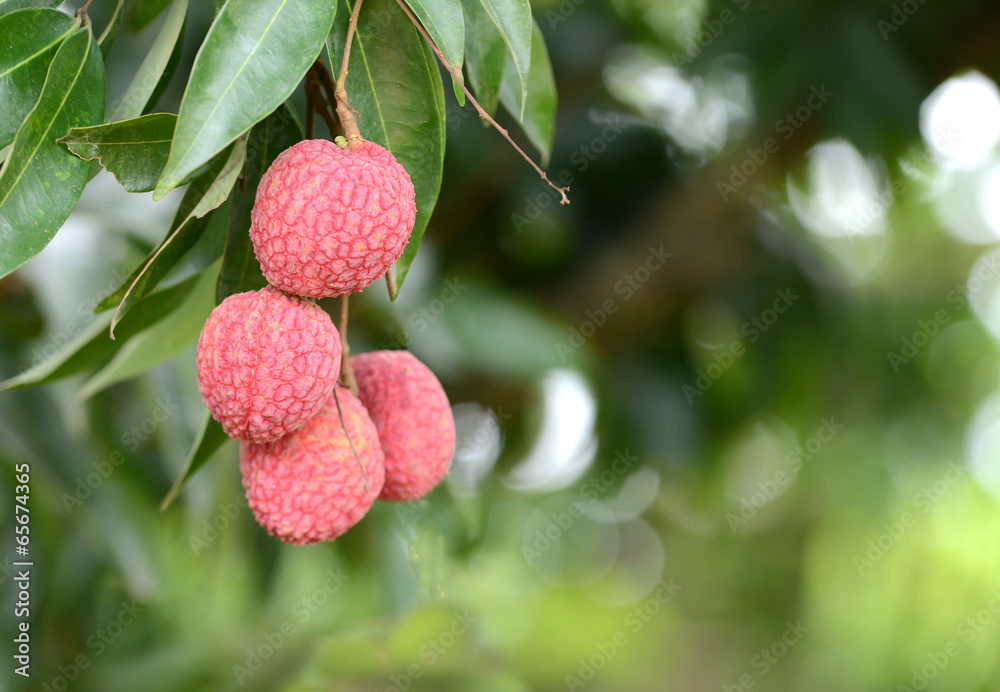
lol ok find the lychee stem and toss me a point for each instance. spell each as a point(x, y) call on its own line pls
point(482, 113)
point(344, 112)
point(390, 282)
point(340, 413)
point(347, 378)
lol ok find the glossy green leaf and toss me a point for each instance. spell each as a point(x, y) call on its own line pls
point(142, 12)
point(443, 21)
point(41, 180)
point(93, 345)
point(509, 23)
point(394, 84)
point(254, 56)
point(7, 6)
point(110, 33)
point(210, 439)
point(205, 193)
point(539, 108)
point(134, 151)
point(30, 40)
point(154, 72)
point(161, 341)
point(240, 268)
point(485, 55)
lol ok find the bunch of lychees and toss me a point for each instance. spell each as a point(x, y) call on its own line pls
point(329, 219)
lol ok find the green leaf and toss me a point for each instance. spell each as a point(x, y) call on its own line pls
point(485, 55)
point(510, 23)
point(93, 345)
point(154, 72)
point(30, 40)
point(442, 19)
point(161, 341)
point(539, 108)
point(134, 151)
point(41, 181)
point(394, 85)
point(110, 32)
point(142, 12)
point(255, 54)
point(210, 438)
point(240, 268)
point(205, 193)
point(7, 6)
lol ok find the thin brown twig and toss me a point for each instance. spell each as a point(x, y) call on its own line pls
point(346, 371)
point(340, 413)
point(320, 103)
point(328, 98)
point(390, 282)
point(310, 105)
point(344, 112)
point(482, 113)
point(82, 12)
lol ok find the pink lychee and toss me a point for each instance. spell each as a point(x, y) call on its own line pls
point(267, 362)
point(414, 421)
point(329, 220)
point(309, 486)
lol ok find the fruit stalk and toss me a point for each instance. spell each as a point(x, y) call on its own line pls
point(390, 283)
point(344, 112)
point(346, 371)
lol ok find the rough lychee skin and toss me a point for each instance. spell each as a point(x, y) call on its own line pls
point(414, 421)
point(329, 221)
point(267, 362)
point(308, 486)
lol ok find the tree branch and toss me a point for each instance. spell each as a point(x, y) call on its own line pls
point(482, 113)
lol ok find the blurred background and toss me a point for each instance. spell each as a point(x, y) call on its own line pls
point(729, 421)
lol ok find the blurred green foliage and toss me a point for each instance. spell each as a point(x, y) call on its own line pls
point(818, 516)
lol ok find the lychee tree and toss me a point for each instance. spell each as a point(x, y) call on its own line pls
point(372, 71)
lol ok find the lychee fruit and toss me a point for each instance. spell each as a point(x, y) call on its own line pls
point(267, 362)
point(309, 486)
point(329, 220)
point(414, 421)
